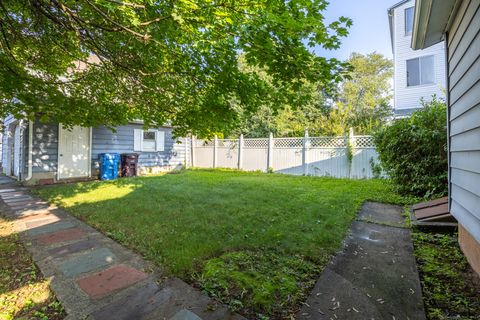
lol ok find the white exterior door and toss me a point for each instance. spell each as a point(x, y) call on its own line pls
point(73, 152)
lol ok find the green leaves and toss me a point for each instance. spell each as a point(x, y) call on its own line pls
point(162, 61)
point(413, 151)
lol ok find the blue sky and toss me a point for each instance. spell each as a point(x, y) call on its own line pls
point(370, 30)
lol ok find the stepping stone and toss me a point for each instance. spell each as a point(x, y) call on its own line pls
point(2, 191)
point(75, 247)
point(17, 199)
point(105, 282)
point(94, 260)
point(26, 203)
point(21, 201)
point(14, 195)
point(34, 217)
point(135, 305)
point(185, 314)
point(52, 227)
point(29, 206)
point(29, 212)
point(41, 222)
point(61, 236)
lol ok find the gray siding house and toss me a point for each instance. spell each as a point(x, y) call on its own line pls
point(457, 22)
point(39, 153)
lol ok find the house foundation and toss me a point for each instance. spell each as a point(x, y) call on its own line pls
point(470, 248)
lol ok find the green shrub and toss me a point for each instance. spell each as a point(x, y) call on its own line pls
point(413, 151)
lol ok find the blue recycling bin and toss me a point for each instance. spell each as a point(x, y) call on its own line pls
point(109, 166)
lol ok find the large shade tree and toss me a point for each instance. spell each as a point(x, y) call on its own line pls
point(160, 61)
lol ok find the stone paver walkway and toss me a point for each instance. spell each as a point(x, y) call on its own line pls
point(375, 275)
point(93, 276)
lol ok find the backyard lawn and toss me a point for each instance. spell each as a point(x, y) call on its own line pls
point(254, 241)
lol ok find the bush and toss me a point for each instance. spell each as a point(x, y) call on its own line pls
point(413, 151)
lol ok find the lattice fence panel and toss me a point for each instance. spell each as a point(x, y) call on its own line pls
point(288, 143)
point(227, 143)
point(328, 142)
point(255, 143)
point(363, 142)
point(204, 143)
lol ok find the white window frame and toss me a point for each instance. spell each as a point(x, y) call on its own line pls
point(408, 33)
point(144, 147)
point(421, 83)
point(139, 144)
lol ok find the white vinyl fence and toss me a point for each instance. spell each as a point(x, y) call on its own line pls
point(315, 156)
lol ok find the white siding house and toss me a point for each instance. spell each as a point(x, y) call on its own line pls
point(417, 74)
point(457, 22)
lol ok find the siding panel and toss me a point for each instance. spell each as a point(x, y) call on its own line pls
point(44, 147)
point(467, 161)
point(456, 23)
point(469, 221)
point(464, 179)
point(467, 199)
point(465, 122)
point(468, 80)
point(121, 140)
point(463, 26)
point(460, 61)
point(466, 141)
point(6, 142)
point(467, 101)
point(464, 125)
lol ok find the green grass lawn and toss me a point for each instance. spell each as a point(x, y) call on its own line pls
point(255, 241)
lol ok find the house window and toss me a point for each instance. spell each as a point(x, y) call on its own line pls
point(420, 71)
point(409, 12)
point(149, 140)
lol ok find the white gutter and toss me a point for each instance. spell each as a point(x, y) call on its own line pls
point(30, 150)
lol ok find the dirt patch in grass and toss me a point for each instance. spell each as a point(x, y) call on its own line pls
point(450, 287)
point(24, 293)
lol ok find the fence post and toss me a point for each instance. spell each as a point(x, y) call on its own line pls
point(240, 152)
point(350, 151)
point(305, 148)
point(192, 146)
point(270, 152)
point(215, 151)
point(186, 151)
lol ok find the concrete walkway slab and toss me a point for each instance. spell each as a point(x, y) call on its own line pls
point(373, 277)
point(382, 213)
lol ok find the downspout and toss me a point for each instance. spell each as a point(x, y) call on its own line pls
point(30, 150)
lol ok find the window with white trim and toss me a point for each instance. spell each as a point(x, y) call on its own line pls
point(420, 71)
point(409, 13)
point(150, 140)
